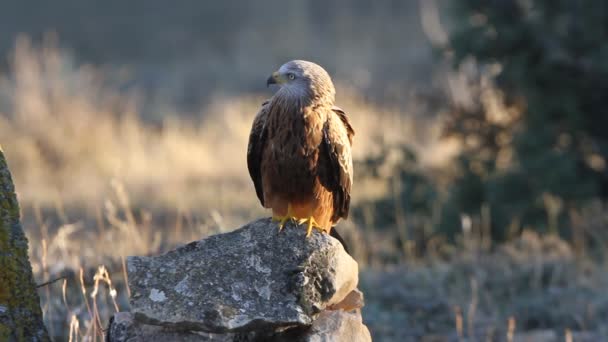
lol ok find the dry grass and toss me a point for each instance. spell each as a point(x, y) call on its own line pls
point(68, 134)
point(98, 182)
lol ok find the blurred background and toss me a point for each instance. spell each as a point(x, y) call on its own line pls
point(479, 198)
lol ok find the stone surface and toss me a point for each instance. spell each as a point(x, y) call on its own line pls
point(251, 279)
point(329, 326)
point(338, 326)
point(123, 328)
point(20, 314)
point(354, 300)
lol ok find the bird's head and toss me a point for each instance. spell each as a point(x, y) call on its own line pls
point(303, 78)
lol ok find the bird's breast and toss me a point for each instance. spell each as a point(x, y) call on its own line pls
point(295, 133)
point(292, 155)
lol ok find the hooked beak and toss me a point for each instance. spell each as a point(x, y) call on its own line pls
point(273, 79)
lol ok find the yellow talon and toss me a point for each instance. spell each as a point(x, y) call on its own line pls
point(311, 224)
point(283, 219)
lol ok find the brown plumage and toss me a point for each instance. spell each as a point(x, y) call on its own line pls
point(299, 152)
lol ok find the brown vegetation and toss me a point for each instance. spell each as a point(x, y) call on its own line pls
point(98, 181)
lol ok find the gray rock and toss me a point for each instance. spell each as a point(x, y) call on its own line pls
point(329, 326)
point(354, 300)
point(338, 326)
point(123, 328)
point(20, 314)
point(251, 279)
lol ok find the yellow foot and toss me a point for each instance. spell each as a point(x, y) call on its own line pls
point(311, 223)
point(283, 219)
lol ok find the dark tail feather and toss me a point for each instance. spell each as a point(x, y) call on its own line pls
point(334, 233)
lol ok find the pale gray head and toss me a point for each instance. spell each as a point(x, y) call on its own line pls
point(303, 79)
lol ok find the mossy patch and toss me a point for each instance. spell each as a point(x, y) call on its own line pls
point(23, 319)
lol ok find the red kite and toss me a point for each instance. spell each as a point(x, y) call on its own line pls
point(299, 153)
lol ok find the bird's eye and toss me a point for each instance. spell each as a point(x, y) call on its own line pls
point(291, 76)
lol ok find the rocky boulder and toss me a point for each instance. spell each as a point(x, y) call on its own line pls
point(252, 283)
point(329, 326)
point(20, 314)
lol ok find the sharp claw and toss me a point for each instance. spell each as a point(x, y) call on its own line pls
point(309, 228)
point(281, 220)
point(311, 224)
point(282, 224)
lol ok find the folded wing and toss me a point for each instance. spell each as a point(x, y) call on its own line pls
point(335, 161)
point(257, 143)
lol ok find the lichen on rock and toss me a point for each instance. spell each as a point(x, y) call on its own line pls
point(251, 279)
point(252, 284)
point(20, 314)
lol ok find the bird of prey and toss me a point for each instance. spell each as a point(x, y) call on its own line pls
point(299, 153)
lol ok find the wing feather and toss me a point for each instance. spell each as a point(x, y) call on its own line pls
point(342, 115)
point(336, 164)
point(257, 143)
